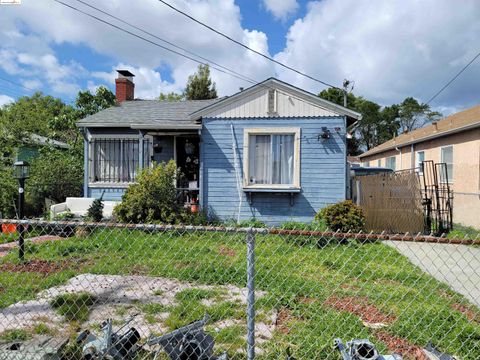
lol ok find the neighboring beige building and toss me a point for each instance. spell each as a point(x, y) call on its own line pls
point(454, 140)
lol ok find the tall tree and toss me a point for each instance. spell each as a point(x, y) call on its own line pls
point(413, 115)
point(200, 86)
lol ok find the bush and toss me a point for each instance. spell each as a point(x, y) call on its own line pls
point(344, 216)
point(153, 198)
point(95, 211)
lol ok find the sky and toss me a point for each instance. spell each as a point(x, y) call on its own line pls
point(389, 49)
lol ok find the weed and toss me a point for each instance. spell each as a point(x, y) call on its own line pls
point(74, 307)
point(15, 335)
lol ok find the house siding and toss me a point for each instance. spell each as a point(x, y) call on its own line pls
point(466, 169)
point(322, 170)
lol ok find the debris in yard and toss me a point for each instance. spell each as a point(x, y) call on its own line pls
point(360, 307)
point(188, 342)
point(111, 345)
point(37, 349)
point(362, 349)
point(434, 354)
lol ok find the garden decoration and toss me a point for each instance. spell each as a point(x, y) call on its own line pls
point(362, 349)
point(188, 342)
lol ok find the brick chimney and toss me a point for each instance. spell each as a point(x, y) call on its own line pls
point(124, 86)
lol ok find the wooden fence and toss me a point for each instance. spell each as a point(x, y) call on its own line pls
point(391, 201)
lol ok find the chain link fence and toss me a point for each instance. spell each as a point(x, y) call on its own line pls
point(116, 291)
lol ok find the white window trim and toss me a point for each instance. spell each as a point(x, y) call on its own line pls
point(451, 177)
point(296, 161)
point(417, 162)
point(387, 162)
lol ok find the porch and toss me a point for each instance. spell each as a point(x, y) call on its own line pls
point(114, 161)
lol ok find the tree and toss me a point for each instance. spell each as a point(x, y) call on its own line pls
point(413, 115)
point(171, 96)
point(200, 86)
point(337, 96)
point(88, 104)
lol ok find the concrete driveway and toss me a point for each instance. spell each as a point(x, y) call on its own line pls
point(456, 265)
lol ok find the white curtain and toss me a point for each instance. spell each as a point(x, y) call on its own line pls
point(271, 159)
point(282, 153)
point(260, 159)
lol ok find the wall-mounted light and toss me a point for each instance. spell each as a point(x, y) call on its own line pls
point(325, 135)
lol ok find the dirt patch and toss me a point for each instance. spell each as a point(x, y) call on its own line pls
point(40, 266)
point(401, 346)
point(467, 311)
point(283, 317)
point(360, 307)
point(226, 251)
point(306, 300)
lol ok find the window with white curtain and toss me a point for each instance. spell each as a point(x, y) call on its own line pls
point(272, 157)
point(391, 163)
point(420, 160)
point(115, 160)
point(447, 158)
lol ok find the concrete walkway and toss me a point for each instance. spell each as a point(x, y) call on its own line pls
point(456, 265)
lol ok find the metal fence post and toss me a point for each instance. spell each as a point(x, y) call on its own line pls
point(251, 295)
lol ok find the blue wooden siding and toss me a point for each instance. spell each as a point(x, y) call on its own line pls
point(322, 176)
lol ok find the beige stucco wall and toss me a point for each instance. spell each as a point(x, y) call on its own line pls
point(466, 169)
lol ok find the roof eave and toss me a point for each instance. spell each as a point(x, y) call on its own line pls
point(426, 138)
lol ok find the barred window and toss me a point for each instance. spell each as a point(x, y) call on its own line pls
point(115, 160)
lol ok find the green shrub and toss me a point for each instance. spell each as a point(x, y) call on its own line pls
point(95, 211)
point(75, 307)
point(295, 225)
point(152, 198)
point(344, 216)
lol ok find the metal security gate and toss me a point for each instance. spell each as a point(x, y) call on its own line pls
point(437, 197)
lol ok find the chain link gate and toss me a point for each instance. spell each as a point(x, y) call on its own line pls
point(119, 291)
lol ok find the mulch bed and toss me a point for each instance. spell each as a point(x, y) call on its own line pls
point(360, 307)
point(40, 266)
point(401, 346)
point(467, 311)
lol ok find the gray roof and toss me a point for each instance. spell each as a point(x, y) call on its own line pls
point(148, 114)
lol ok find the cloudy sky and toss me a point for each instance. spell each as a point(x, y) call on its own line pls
point(390, 49)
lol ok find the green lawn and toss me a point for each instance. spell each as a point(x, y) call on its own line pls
point(301, 281)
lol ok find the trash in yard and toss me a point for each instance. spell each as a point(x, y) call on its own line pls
point(362, 349)
point(111, 345)
point(433, 353)
point(188, 342)
point(44, 348)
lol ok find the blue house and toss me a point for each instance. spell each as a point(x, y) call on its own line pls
point(273, 152)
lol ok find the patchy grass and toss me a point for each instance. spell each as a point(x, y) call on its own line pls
point(15, 335)
point(74, 307)
point(464, 232)
point(297, 277)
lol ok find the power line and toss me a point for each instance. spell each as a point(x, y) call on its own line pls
point(148, 40)
point(166, 41)
point(247, 47)
point(454, 78)
point(16, 84)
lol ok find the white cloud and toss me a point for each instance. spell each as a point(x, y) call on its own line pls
point(5, 99)
point(74, 28)
point(281, 9)
point(390, 49)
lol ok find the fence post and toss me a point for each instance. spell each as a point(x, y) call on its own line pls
point(251, 296)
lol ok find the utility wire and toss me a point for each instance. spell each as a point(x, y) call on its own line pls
point(148, 40)
point(245, 78)
point(454, 78)
point(16, 84)
point(247, 47)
